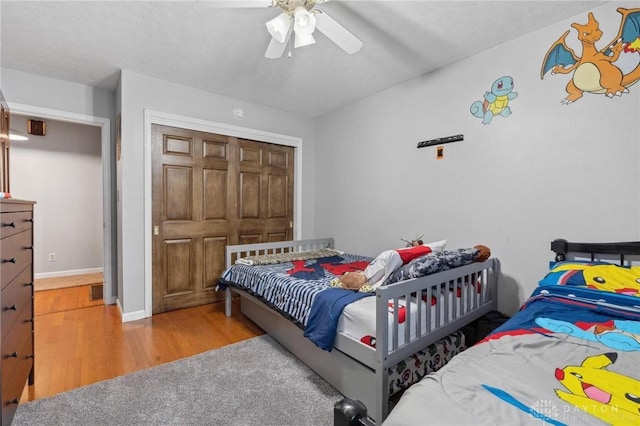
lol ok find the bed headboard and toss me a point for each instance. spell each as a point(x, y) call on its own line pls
point(561, 247)
point(233, 252)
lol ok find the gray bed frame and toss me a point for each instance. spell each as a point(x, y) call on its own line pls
point(354, 369)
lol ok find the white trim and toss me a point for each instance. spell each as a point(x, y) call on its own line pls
point(166, 119)
point(67, 273)
point(131, 316)
point(105, 126)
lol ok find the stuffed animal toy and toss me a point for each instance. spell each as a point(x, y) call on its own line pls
point(353, 281)
point(484, 253)
point(417, 241)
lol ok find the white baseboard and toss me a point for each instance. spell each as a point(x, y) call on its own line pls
point(67, 273)
point(130, 316)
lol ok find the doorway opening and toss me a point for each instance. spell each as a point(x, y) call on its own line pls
point(107, 199)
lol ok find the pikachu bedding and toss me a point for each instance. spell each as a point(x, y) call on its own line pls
point(571, 355)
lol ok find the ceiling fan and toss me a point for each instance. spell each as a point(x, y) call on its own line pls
point(301, 18)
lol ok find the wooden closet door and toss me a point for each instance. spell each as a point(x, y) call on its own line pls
point(194, 205)
point(210, 191)
point(265, 192)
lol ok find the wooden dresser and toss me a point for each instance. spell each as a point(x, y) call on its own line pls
point(16, 302)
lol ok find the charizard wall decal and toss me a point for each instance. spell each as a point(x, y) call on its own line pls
point(610, 70)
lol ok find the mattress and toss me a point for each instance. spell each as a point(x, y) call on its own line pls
point(358, 319)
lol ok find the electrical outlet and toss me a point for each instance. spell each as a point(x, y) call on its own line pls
point(52, 257)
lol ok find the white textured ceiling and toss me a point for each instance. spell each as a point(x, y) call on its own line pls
point(221, 49)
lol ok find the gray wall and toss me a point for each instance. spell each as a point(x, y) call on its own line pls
point(62, 172)
point(139, 93)
point(547, 171)
point(44, 92)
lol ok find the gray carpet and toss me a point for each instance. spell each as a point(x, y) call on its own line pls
point(254, 382)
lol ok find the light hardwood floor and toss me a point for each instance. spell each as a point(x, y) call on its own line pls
point(55, 283)
point(61, 300)
point(83, 345)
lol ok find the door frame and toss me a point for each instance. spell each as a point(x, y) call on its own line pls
point(107, 196)
point(167, 119)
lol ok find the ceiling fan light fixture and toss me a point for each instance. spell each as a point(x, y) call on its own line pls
point(279, 27)
point(303, 40)
point(300, 19)
point(304, 22)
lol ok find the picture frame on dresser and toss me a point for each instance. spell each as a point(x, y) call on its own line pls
point(16, 297)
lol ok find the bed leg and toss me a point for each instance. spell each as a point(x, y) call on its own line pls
point(227, 302)
point(350, 412)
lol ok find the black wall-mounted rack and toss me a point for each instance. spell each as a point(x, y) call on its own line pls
point(440, 141)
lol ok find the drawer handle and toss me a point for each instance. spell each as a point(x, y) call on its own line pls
point(29, 248)
point(10, 224)
point(29, 220)
point(12, 260)
point(29, 284)
point(13, 355)
point(14, 401)
point(13, 307)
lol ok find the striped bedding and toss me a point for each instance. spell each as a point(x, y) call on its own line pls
point(291, 287)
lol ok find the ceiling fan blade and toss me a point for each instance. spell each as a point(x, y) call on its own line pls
point(337, 33)
point(275, 48)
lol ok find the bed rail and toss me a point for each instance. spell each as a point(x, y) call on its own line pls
point(474, 283)
point(561, 247)
point(234, 252)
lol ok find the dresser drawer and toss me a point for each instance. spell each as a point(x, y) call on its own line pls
point(15, 298)
point(15, 256)
point(13, 223)
point(12, 389)
point(17, 347)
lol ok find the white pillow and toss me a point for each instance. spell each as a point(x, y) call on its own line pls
point(437, 245)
